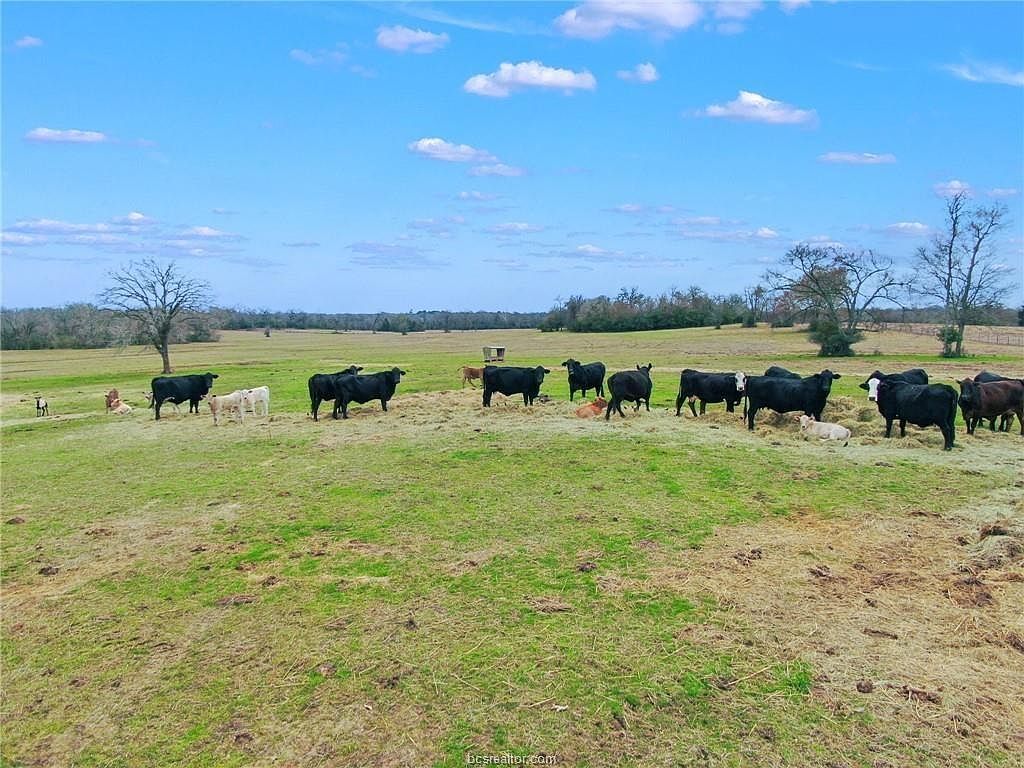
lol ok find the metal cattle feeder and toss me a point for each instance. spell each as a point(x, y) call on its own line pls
point(494, 354)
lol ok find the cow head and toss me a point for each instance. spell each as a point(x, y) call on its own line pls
point(825, 379)
point(871, 385)
point(539, 372)
point(208, 380)
point(866, 383)
point(646, 369)
point(741, 381)
point(570, 364)
point(969, 394)
point(352, 370)
point(805, 422)
point(396, 374)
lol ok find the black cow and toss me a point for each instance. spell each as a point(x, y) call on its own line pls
point(981, 400)
point(1006, 420)
point(323, 387)
point(178, 389)
point(778, 372)
point(708, 388)
point(631, 386)
point(912, 376)
point(512, 380)
point(584, 377)
point(354, 388)
point(808, 394)
point(925, 405)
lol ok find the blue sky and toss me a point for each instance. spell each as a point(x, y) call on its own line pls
point(383, 156)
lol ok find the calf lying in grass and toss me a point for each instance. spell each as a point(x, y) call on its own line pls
point(824, 430)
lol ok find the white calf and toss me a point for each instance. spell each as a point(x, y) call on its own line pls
point(118, 406)
point(253, 398)
point(824, 430)
point(226, 403)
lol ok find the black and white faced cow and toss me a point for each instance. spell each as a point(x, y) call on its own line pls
point(631, 386)
point(809, 394)
point(42, 407)
point(513, 380)
point(924, 405)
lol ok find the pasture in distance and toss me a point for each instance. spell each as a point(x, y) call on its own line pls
point(440, 580)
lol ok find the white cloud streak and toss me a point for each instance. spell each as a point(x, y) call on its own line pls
point(857, 158)
point(510, 78)
point(66, 136)
point(439, 149)
point(641, 73)
point(982, 72)
point(753, 107)
point(405, 40)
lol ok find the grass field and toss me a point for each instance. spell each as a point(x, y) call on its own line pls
point(443, 581)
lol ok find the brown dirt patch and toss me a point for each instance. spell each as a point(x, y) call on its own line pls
point(878, 606)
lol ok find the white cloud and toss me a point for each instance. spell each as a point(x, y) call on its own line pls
point(528, 74)
point(477, 196)
point(791, 6)
point(210, 233)
point(439, 149)
point(599, 18)
point(223, 211)
point(630, 208)
point(1003, 192)
point(981, 72)
point(54, 226)
point(907, 229)
point(765, 233)
point(497, 169)
point(641, 73)
point(377, 255)
point(857, 158)
point(16, 238)
point(403, 39)
point(513, 228)
point(951, 187)
point(336, 55)
point(28, 42)
point(68, 136)
point(754, 107)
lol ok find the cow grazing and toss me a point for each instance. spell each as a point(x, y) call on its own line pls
point(824, 430)
point(256, 400)
point(631, 386)
point(323, 386)
point(912, 376)
point(222, 404)
point(471, 374)
point(178, 389)
point(809, 394)
point(924, 405)
point(980, 400)
point(778, 372)
point(590, 410)
point(708, 388)
point(113, 396)
point(583, 377)
point(512, 380)
point(354, 388)
point(42, 407)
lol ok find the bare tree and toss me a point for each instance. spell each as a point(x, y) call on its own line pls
point(155, 298)
point(962, 270)
point(836, 289)
point(756, 299)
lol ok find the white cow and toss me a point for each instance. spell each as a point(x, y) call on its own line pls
point(119, 406)
point(824, 430)
point(254, 398)
point(225, 404)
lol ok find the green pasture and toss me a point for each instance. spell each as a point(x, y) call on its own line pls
point(439, 581)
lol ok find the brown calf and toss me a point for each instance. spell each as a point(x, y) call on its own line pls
point(469, 374)
point(590, 410)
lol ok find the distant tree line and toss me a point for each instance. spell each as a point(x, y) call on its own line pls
point(87, 326)
point(383, 322)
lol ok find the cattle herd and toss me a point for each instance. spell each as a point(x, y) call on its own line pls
point(905, 397)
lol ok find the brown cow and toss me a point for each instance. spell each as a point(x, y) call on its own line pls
point(590, 410)
point(986, 401)
point(468, 374)
point(112, 397)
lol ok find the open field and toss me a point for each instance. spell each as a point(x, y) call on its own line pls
point(412, 587)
